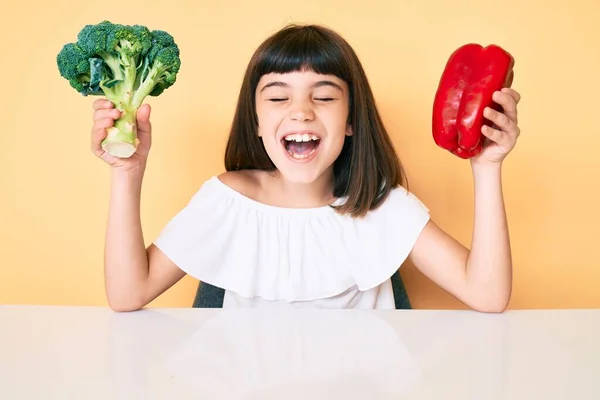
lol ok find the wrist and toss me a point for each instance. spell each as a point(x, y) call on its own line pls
point(486, 168)
point(487, 177)
point(132, 176)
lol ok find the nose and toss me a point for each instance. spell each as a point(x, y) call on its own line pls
point(301, 112)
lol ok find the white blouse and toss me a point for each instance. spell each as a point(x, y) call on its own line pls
point(264, 255)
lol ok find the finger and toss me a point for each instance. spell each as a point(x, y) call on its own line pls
point(143, 119)
point(107, 158)
point(99, 152)
point(99, 131)
point(98, 135)
point(103, 123)
point(508, 103)
point(144, 130)
point(501, 120)
point(107, 113)
point(102, 103)
point(97, 138)
point(513, 93)
point(502, 139)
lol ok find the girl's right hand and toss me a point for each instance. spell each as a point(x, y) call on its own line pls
point(105, 115)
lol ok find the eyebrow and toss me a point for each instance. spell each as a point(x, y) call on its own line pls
point(314, 85)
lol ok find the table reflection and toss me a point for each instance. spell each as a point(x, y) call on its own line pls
point(263, 354)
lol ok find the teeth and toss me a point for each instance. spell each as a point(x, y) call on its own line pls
point(300, 156)
point(296, 137)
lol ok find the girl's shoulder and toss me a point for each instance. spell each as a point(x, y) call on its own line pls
point(247, 186)
point(245, 182)
point(242, 190)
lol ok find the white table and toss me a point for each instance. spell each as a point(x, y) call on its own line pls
point(94, 353)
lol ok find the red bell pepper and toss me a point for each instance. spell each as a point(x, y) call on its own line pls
point(471, 76)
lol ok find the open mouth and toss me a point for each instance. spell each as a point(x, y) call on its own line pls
point(301, 146)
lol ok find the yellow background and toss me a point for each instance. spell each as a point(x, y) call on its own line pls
point(55, 192)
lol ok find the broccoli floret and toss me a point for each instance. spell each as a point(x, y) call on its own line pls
point(125, 64)
point(74, 64)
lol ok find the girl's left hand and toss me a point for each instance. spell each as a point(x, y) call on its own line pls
point(500, 138)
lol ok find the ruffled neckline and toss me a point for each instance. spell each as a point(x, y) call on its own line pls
point(231, 241)
point(268, 208)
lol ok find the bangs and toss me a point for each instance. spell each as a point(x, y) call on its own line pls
point(295, 50)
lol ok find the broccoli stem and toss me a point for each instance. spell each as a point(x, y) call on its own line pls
point(146, 86)
point(130, 72)
point(122, 139)
point(113, 63)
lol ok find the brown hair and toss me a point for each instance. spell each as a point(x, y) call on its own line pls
point(367, 168)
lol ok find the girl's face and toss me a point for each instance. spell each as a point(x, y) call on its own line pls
point(302, 118)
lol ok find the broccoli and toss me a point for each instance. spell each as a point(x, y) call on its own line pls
point(125, 64)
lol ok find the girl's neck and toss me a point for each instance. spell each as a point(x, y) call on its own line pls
point(284, 193)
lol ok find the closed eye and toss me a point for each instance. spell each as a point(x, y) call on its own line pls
point(278, 100)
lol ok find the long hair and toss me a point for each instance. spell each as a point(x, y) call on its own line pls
point(367, 168)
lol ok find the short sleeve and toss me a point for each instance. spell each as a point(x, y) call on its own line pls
point(195, 238)
point(387, 235)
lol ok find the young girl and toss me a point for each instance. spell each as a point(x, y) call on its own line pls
point(313, 210)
